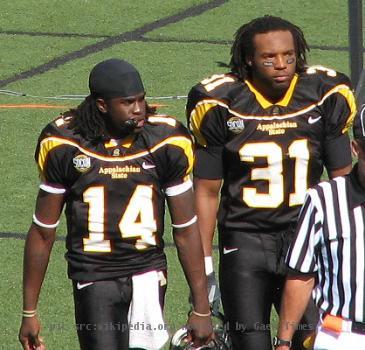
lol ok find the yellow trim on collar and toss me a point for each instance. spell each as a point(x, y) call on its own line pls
point(283, 102)
point(126, 142)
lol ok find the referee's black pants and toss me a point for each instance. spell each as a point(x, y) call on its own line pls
point(251, 281)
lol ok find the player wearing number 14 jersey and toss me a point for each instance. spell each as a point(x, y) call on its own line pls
point(113, 163)
point(115, 202)
point(263, 134)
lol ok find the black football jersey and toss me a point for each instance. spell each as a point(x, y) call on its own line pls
point(269, 154)
point(115, 194)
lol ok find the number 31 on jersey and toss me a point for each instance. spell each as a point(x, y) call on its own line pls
point(273, 173)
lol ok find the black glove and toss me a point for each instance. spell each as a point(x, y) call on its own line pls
point(214, 294)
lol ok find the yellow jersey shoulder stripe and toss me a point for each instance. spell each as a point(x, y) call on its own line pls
point(197, 115)
point(49, 143)
point(350, 99)
point(163, 119)
point(199, 112)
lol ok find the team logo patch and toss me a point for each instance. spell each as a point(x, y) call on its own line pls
point(82, 163)
point(116, 152)
point(235, 124)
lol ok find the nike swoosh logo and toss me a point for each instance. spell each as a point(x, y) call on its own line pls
point(227, 251)
point(312, 120)
point(148, 166)
point(83, 285)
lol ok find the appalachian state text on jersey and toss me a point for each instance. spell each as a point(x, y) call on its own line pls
point(269, 154)
point(115, 194)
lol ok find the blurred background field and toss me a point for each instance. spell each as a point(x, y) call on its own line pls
point(47, 50)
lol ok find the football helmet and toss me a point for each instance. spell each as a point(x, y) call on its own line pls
point(222, 340)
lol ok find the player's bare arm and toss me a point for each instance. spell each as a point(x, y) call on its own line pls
point(38, 246)
point(207, 201)
point(190, 252)
point(340, 172)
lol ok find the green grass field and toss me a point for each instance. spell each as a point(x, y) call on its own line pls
point(48, 48)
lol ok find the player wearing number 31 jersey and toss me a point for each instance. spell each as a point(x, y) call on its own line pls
point(269, 153)
point(264, 133)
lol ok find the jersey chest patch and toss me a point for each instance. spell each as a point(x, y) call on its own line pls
point(82, 163)
point(235, 125)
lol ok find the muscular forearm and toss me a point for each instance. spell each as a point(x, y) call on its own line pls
point(207, 221)
point(191, 259)
point(37, 250)
point(297, 292)
point(339, 172)
point(207, 201)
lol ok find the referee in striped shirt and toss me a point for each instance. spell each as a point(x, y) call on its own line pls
point(327, 257)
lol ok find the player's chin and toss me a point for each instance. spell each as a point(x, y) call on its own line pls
point(140, 125)
point(280, 86)
point(137, 130)
point(283, 80)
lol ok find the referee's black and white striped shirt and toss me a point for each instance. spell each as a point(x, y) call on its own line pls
point(330, 241)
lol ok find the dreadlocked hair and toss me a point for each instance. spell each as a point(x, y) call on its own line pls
point(87, 120)
point(243, 46)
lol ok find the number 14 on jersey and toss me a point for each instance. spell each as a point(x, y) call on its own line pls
point(137, 220)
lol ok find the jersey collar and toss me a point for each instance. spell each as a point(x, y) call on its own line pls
point(283, 102)
point(125, 142)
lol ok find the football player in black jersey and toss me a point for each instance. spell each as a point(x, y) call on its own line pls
point(113, 163)
point(264, 131)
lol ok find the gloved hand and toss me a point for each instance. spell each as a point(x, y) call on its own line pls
point(214, 294)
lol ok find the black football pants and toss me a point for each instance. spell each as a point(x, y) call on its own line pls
point(101, 313)
point(251, 284)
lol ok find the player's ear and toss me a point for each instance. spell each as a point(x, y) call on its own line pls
point(248, 61)
point(101, 105)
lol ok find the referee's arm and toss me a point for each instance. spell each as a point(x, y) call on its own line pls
point(302, 262)
point(297, 292)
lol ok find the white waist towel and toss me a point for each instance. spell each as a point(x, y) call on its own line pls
point(147, 328)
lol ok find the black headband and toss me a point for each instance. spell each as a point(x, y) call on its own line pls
point(115, 78)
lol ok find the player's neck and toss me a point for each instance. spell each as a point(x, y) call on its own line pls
point(116, 134)
point(270, 94)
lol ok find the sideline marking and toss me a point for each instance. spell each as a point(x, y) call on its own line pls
point(32, 105)
point(35, 105)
